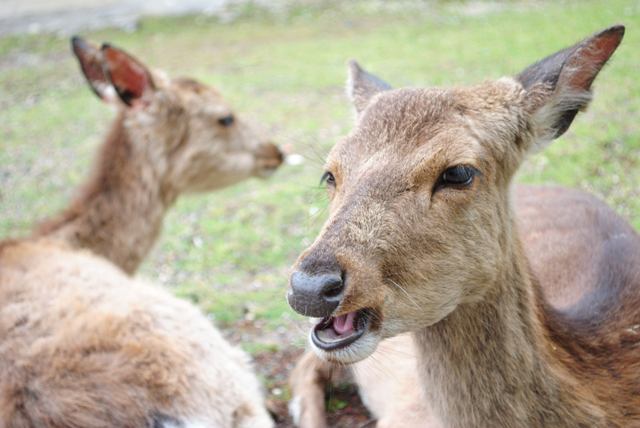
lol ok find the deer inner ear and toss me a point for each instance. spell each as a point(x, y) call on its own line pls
point(131, 80)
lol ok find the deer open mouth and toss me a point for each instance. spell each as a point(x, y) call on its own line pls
point(333, 333)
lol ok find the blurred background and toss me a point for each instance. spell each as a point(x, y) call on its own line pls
point(282, 64)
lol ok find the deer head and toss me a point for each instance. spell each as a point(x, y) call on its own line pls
point(195, 139)
point(420, 220)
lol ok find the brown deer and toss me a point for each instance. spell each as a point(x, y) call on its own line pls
point(170, 137)
point(565, 234)
point(84, 345)
point(421, 238)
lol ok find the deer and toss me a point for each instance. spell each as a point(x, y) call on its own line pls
point(556, 225)
point(170, 137)
point(422, 242)
point(83, 343)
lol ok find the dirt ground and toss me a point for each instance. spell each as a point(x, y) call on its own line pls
point(345, 410)
point(274, 364)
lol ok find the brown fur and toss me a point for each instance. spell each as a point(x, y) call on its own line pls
point(573, 242)
point(84, 345)
point(448, 264)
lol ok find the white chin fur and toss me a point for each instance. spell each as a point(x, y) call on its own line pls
point(357, 351)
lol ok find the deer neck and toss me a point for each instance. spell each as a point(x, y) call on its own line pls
point(493, 363)
point(119, 211)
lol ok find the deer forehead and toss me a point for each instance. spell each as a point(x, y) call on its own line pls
point(199, 96)
point(411, 134)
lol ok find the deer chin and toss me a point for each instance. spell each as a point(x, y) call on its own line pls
point(267, 172)
point(346, 338)
point(268, 159)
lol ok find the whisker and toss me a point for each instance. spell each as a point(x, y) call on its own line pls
point(411, 299)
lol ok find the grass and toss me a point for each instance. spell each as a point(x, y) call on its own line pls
point(230, 251)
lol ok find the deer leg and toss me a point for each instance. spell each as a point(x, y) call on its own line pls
point(308, 381)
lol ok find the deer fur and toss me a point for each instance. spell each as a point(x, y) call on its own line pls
point(567, 235)
point(446, 262)
point(83, 344)
point(166, 140)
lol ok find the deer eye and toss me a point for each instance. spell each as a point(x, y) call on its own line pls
point(226, 121)
point(456, 176)
point(328, 179)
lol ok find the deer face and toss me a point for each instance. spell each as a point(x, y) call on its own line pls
point(419, 219)
point(416, 214)
point(195, 139)
point(218, 147)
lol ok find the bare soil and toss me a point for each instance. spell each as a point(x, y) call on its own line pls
point(274, 364)
point(344, 408)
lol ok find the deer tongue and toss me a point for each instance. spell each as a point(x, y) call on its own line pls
point(333, 333)
point(344, 324)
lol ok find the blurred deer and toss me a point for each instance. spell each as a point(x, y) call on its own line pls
point(83, 344)
point(171, 137)
point(421, 238)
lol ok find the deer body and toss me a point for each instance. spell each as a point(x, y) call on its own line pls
point(84, 345)
point(420, 207)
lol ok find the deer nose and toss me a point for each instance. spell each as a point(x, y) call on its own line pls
point(315, 295)
point(280, 155)
point(270, 156)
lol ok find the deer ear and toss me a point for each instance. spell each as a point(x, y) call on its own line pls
point(559, 85)
point(129, 77)
point(361, 86)
point(91, 64)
